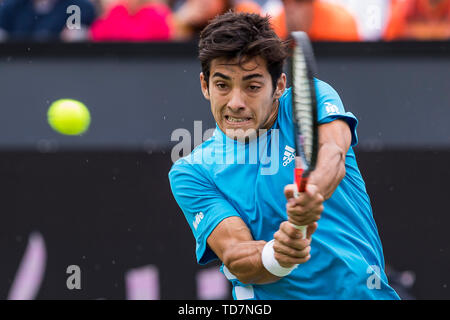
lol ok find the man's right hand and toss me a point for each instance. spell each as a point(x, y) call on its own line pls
point(290, 249)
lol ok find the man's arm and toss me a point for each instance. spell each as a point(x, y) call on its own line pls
point(233, 243)
point(334, 142)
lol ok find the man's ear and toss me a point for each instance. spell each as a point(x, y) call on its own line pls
point(281, 86)
point(204, 86)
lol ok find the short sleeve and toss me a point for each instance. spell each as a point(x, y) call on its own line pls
point(203, 205)
point(330, 108)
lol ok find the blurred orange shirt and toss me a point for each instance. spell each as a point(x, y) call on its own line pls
point(330, 22)
point(419, 19)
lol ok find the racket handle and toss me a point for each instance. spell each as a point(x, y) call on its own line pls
point(302, 229)
point(301, 182)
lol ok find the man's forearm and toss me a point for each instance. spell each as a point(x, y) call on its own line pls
point(330, 169)
point(244, 261)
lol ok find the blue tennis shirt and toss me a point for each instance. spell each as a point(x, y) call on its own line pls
point(223, 177)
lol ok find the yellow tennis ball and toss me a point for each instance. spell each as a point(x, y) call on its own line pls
point(68, 116)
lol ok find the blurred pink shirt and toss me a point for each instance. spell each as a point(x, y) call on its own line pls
point(150, 22)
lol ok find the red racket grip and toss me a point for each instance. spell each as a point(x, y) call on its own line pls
point(300, 181)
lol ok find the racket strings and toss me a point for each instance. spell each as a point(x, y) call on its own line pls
point(303, 99)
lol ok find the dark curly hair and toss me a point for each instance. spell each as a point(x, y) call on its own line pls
point(242, 36)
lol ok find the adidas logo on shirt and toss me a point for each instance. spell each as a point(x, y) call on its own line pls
point(289, 155)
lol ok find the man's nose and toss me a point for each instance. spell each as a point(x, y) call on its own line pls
point(236, 102)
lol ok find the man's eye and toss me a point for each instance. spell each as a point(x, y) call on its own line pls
point(221, 85)
point(254, 88)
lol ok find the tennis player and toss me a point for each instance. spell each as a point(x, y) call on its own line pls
point(241, 207)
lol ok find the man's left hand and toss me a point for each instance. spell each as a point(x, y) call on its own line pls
point(307, 207)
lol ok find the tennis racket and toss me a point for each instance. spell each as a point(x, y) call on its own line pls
point(304, 111)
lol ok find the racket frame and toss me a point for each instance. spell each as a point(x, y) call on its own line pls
point(303, 61)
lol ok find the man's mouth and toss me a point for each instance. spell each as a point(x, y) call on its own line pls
point(231, 119)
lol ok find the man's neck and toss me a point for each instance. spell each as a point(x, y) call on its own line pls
point(272, 117)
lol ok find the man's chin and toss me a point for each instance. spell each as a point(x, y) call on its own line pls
point(242, 134)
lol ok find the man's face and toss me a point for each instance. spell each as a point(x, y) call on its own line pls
point(242, 97)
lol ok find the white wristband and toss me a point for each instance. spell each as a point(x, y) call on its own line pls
point(271, 264)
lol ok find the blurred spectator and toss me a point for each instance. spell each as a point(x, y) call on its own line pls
point(424, 20)
point(371, 16)
point(321, 20)
point(134, 20)
point(377, 19)
point(43, 20)
point(400, 19)
point(396, 19)
point(191, 16)
point(273, 8)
